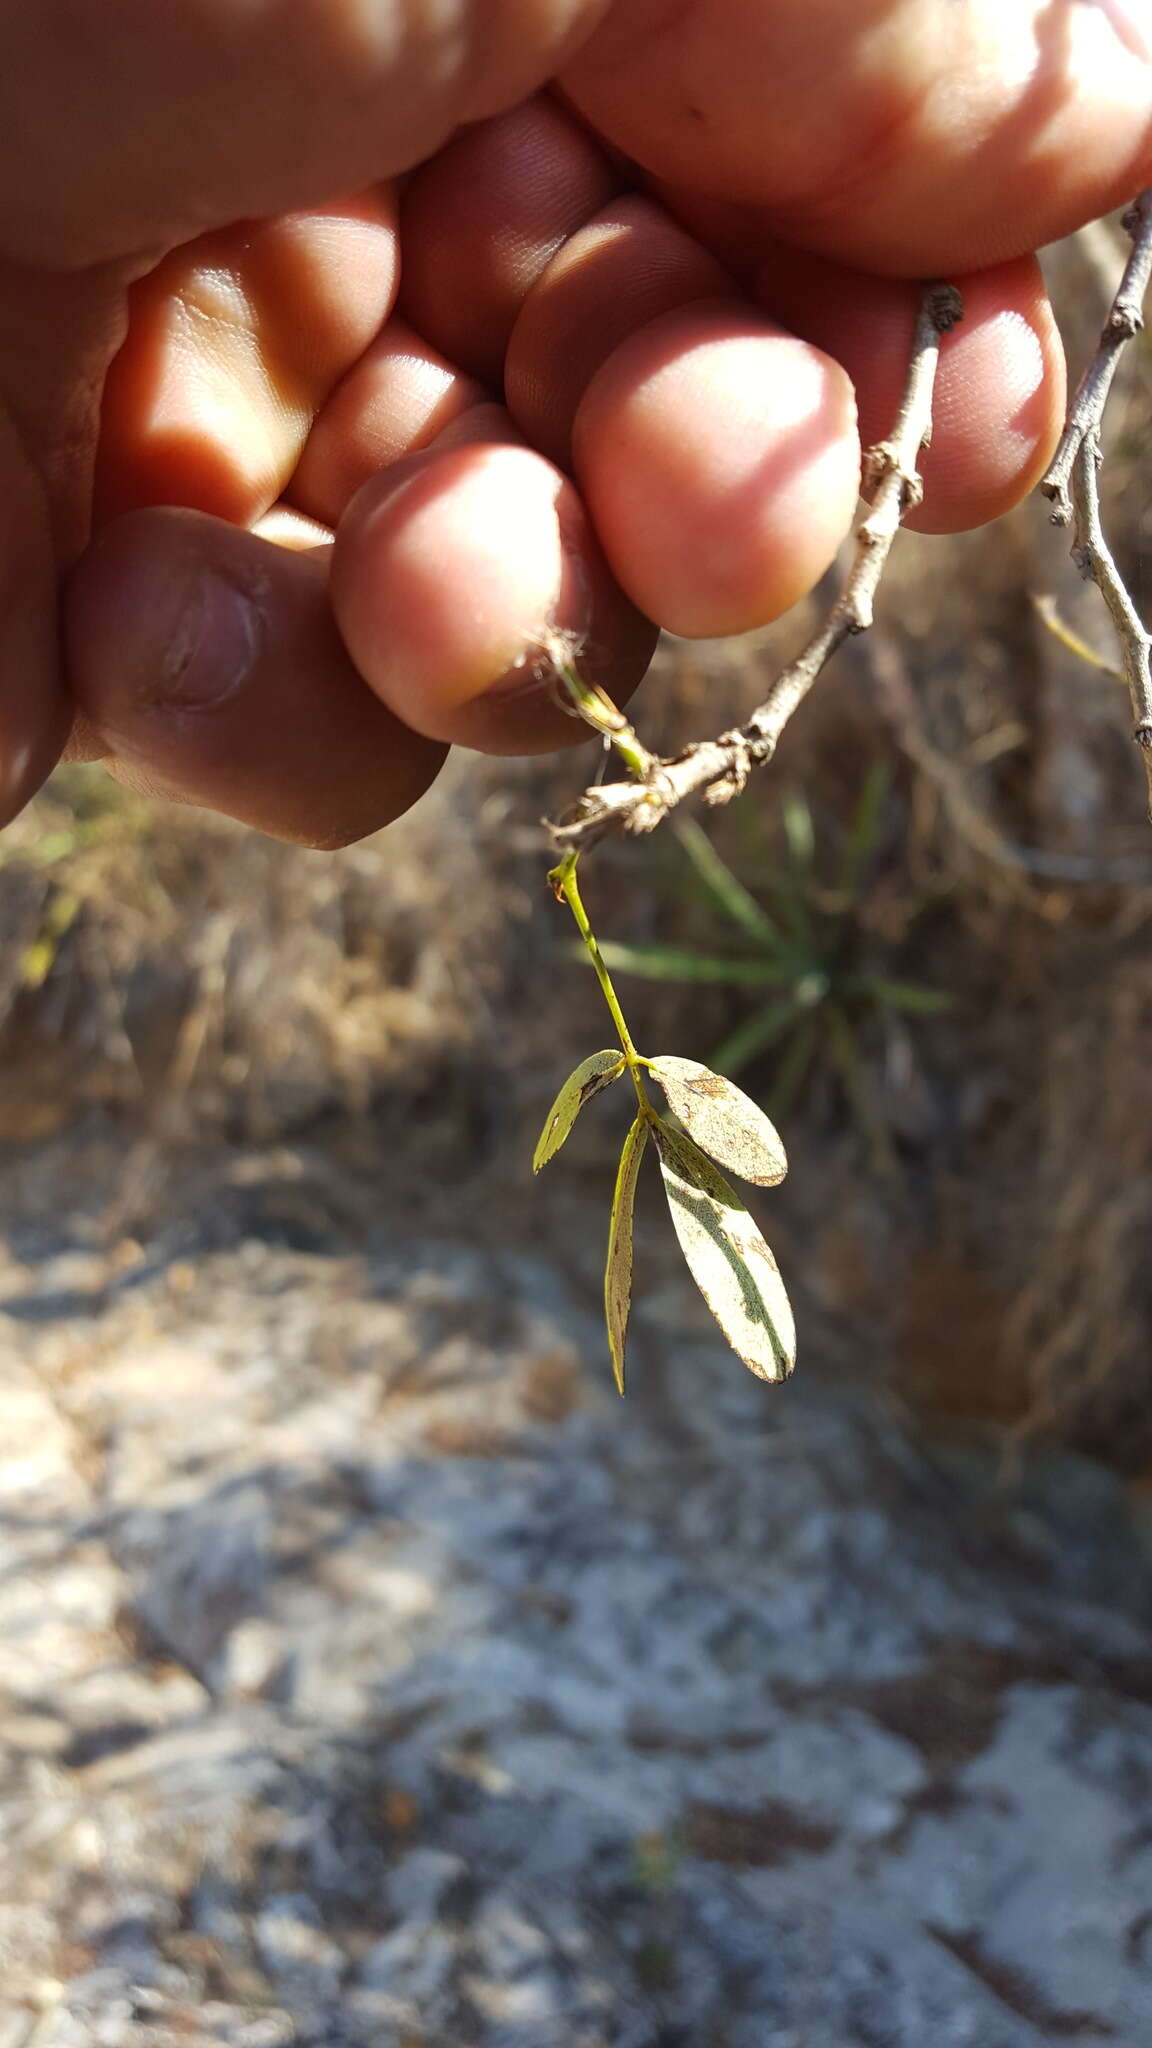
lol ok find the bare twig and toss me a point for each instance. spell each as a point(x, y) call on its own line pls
point(1124, 322)
point(1073, 481)
point(720, 768)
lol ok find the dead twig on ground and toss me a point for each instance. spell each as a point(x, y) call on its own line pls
point(899, 706)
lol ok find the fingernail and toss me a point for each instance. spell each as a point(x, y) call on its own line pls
point(212, 647)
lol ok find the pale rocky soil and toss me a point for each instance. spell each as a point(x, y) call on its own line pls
point(373, 1678)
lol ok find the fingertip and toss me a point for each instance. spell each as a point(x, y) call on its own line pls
point(720, 462)
point(1000, 388)
point(999, 402)
point(450, 572)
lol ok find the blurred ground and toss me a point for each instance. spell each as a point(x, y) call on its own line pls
point(372, 1676)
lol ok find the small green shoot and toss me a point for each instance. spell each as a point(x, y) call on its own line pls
point(711, 1119)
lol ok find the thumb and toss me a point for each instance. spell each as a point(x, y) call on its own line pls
point(127, 126)
point(33, 712)
point(896, 135)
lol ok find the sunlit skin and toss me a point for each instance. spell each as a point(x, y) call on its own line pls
point(291, 482)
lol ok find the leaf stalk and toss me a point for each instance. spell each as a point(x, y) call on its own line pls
point(565, 885)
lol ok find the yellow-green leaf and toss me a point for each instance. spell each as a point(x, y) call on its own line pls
point(618, 1268)
point(593, 1074)
point(727, 1257)
point(724, 1122)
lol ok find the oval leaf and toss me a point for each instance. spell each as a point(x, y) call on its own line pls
point(618, 1269)
point(597, 1072)
point(727, 1257)
point(724, 1122)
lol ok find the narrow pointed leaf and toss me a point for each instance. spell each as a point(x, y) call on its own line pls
point(799, 831)
point(725, 888)
point(593, 1074)
point(655, 962)
point(757, 1035)
point(865, 828)
point(912, 996)
point(862, 1093)
point(724, 1122)
point(727, 1257)
point(618, 1268)
point(797, 1058)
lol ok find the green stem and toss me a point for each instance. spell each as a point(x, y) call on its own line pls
point(563, 880)
point(597, 709)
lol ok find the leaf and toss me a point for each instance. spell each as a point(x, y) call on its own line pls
point(597, 1072)
point(676, 963)
point(863, 1097)
point(864, 832)
point(618, 1268)
point(798, 1056)
point(913, 996)
point(722, 1120)
point(59, 915)
point(799, 831)
point(757, 1035)
point(725, 888)
point(727, 1257)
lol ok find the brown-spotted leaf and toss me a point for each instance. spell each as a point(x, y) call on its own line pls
point(727, 1257)
point(597, 1072)
point(618, 1268)
point(724, 1122)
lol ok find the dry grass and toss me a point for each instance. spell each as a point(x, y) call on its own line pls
point(175, 965)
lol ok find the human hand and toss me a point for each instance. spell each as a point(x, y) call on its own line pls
point(637, 318)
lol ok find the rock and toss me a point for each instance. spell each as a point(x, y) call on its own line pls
point(413, 1967)
point(425, 1884)
point(294, 1946)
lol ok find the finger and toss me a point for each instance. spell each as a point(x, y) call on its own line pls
point(720, 462)
point(624, 268)
point(595, 285)
point(234, 344)
point(1000, 394)
point(209, 664)
point(899, 135)
point(33, 709)
point(483, 220)
point(615, 276)
point(449, 574)
point(126, 126)
point(397, 399)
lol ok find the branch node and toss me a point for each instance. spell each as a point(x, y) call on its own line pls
point(946, 307)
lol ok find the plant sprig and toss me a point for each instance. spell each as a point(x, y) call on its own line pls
point(709, 1123)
